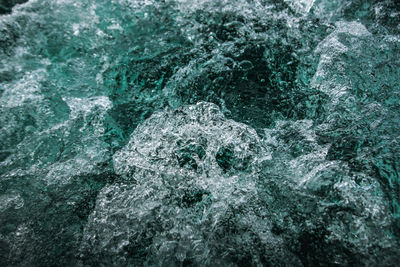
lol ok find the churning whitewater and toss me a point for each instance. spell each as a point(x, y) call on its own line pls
point(199, 133)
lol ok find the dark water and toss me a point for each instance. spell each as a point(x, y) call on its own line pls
point(199, 133)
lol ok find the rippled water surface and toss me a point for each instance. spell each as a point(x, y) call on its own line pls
point(199, 133)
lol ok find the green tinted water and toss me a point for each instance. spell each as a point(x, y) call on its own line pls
point(199, 133)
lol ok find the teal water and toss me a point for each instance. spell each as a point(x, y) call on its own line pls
point(199, 133)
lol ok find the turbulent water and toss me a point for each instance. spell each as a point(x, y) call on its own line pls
point(199, 133)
